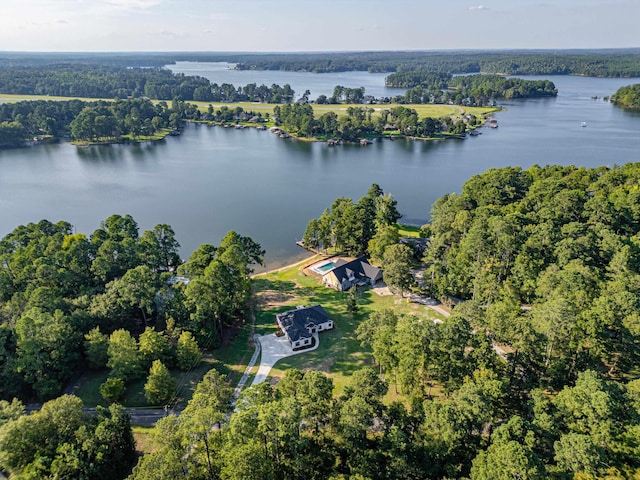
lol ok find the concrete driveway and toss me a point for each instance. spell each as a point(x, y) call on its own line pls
point(273, 349)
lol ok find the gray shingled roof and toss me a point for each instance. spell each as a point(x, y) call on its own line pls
point(359, 268)
point(295, 321)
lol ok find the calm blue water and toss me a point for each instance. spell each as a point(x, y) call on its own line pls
point(316, 83)
point(211, 180)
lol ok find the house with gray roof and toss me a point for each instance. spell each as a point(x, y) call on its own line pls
point(301, 325)
point(346, 274)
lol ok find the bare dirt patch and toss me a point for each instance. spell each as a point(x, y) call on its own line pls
point(273, 298)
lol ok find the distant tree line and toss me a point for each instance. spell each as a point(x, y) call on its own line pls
point(598, 63)
point(68, 299)
point(410, 79)
point(96, 81)
point(627, 97)
point(249, 93)
point(615, 63)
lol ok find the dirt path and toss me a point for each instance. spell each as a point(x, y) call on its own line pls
point(247, 371)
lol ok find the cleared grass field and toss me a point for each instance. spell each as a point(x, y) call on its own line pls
point(340, 352)
point(13, 98)
point(434, 111)
point(428, 110)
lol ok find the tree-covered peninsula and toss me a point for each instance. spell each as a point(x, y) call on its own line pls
point(432, 87)
point(627, 97)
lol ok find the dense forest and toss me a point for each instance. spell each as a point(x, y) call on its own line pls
point(61, 440)
point(562, 239)
point(107, 300)
point(160, 84)
point(627, 97)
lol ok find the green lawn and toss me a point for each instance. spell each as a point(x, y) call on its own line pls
point(408, 230)
point(340, 352)
point(423, 110)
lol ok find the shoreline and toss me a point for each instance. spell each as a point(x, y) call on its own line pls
point(284, 267)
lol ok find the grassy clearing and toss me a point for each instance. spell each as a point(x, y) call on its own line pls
point(423, 110)
point(408, 230)
point(340, 352)
point(13, 98)
point(143, 439)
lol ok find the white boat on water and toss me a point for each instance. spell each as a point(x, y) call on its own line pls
point(583, 124)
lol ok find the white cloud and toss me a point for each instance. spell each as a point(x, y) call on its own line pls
point(477, 8)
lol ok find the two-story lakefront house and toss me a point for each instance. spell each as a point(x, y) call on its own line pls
point(345, 274)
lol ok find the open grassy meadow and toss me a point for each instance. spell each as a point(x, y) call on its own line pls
point(428, 110)
point(424, 110)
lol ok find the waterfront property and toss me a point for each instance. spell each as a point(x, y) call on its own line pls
point(346, 274)
point(301, 325)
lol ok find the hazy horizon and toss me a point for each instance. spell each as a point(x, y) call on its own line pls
point(257, 26)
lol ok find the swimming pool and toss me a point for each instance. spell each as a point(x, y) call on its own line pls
point(326, 267)
point(322, 268)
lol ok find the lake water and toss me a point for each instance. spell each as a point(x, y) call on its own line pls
point(211, 180)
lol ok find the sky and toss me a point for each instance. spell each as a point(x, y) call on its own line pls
point(305, 25)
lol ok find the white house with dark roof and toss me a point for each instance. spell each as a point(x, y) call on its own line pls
point(301, 325)
point(345, 274)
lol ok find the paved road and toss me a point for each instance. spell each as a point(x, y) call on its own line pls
point(143, 417)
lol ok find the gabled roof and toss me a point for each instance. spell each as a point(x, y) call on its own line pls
point(359, 268)
point(295, 322)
